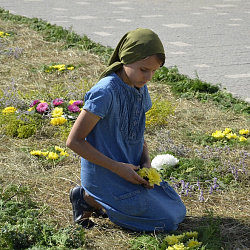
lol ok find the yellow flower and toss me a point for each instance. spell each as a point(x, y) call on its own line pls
point(45, 153)
point(64, 153)
point(154, 177)
point(193, 243)
point(193, 234)
point(244, 132)
point(143, 172)
point(59, 149)
point(231, 136)
point(36, 152)
point(59, 67)
point(70, 68)
point(179, 246)
point(57, 112)
point(218, 134)
point(30, 109)
point(151, 175)
point(52, 156)
point(9, 110)
point(58, 121)
point(171, 239)
point(242, 138)
point(72, 101)
point(3, 34)
point(227, 131)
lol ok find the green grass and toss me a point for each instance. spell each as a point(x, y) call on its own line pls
point(185, 114)
point(183, 86)
point(24, 225)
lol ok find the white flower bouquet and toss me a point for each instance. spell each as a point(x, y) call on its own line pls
point(163, 161)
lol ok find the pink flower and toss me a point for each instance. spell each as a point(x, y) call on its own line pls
point(78, 103)
point(74, 108)
point(34, 103)
point(57, 102)
point(42, 107)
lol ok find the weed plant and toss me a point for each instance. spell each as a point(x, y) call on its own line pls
point(183, 86)
point(23, 224)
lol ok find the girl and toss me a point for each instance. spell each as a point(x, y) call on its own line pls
point(109, 136)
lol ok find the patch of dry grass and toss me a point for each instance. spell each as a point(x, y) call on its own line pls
point(51, 184)
point(26, 70)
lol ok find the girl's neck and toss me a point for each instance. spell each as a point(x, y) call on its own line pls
point(122, 75)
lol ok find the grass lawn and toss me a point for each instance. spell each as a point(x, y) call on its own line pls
point(41, 63)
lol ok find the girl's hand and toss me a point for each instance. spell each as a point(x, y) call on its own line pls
point(146, 165)
point(127, 171)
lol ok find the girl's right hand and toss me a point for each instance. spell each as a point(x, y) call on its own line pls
point(128, 172)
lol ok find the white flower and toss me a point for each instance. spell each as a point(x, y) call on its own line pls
point(160, 160)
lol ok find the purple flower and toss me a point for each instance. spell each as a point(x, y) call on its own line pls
point(78, 103)
point(34, 103)
point(201, 197)
point(57, 102)
point(42, 107)
point(73, 108)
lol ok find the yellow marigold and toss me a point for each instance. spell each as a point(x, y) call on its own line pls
point(9, 110)
point(154, 177)
point(59, 67)
point(227, 131)
point(242, 139)
point(151, 175)
point(181, 236)
point(143, 172)
point(59, 149)
point(231, 136)
point(218, 134)
point(64, 153)
point(4, 34)
point(72, 101)
point(36, 152)
point(193, 243)
point(58, 121)
point(192, 234)
point(179, 246)
point(45, 153)
point(244, 132)
point(52, 156)
point(30, 109)
point(57, 112)
point(172, 239)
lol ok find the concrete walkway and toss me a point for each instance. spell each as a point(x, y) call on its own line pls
point(210, 39)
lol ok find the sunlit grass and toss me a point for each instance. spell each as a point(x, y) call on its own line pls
point(186, 113)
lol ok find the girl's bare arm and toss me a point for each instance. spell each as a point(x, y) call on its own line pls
point(85, 122)
point(145, 159)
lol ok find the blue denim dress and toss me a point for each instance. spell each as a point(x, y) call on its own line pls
point(120, 135)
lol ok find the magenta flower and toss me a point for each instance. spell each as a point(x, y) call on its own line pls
point(57, 102)
point(74, 108)
point(34, 103)
point(42, 107)
point(78, 103)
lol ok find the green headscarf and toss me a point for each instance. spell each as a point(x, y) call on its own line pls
point(134, 46)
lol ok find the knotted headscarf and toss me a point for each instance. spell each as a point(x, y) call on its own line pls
point(134, 46)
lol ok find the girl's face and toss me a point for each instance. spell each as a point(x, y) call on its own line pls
point(137, 74)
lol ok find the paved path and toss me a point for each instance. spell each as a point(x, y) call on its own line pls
point(210, 38)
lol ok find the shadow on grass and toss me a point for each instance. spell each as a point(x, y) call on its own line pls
point(219, 233)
